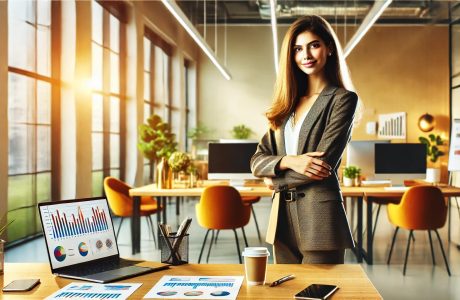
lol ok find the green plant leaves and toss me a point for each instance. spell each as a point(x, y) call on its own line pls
point(241, 132)
point(156, 139)
point(351, 172)
point(432, 150)
point(2, 229)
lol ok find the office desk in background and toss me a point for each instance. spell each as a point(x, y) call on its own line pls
point(370, 193)
point(358, 193)
point(162, 195)
point(353, 283)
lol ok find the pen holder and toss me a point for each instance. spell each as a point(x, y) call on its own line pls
point(174, 250)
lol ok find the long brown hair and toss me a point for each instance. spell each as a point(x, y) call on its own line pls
point(291, 82)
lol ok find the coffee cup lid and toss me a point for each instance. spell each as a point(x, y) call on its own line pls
point(256, 251)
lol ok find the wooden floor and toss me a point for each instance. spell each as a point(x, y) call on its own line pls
point(422, 280)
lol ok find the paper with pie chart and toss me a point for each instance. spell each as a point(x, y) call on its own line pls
point(78, 233)
point(196, 287)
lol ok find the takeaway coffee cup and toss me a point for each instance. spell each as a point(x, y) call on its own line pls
point(255, 264)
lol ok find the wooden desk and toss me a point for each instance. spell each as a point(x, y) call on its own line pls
point(359, 193)
point(352, 281)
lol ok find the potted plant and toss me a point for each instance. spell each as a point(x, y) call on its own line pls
point(2, 242)
point(200, 139)
point(180, 162)
point(433, 152)
point(156, 142)
point(351, 176)
point(241, 132)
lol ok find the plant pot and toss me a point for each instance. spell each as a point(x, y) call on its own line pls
point(433, 175)
point(348, 181)
point(2, 256)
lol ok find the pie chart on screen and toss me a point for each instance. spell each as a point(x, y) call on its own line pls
point(83, 249)
point(59, 253)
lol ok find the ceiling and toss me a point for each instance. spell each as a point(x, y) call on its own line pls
point(336, 12)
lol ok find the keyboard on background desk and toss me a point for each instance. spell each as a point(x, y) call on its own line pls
point(243, 188)
point(396, 188)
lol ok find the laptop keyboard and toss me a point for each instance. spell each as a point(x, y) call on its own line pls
point(99, 267)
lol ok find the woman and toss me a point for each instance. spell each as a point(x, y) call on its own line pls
point(311, 119)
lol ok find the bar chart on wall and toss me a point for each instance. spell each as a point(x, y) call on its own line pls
point(392, 126)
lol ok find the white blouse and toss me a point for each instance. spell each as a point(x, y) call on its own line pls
point(291, 134)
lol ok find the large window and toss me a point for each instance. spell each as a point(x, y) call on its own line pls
point(157, 86)
point(29, 114)
point(106, 129)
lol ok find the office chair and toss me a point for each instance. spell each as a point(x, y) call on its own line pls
point(379, 202)
point(121, 203)
point(220, 208)
point(421, 208)
point(247, 200)
point(250, 200)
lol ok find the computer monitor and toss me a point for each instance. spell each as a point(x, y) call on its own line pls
point(361, 155)
point(400, 161)
point(231, 161)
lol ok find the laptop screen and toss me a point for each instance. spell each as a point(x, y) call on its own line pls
point(77, 231)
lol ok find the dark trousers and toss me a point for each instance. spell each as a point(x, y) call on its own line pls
point(286, 247)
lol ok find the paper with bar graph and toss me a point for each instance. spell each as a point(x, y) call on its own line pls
point(77, 290)
point(196, 287)
point(392, 126)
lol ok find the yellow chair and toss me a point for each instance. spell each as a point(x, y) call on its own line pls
point(421, 208)
point(220, 208)
point(121, 203)
point(250, 200)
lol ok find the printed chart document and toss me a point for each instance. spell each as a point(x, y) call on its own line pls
point(77, 290)
point(196, 287)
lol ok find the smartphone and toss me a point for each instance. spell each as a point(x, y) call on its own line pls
point(21, 285)
point(316, 292)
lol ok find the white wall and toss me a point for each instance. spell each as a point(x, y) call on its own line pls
point(244, 99)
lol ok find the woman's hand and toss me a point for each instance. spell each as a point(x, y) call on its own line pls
point(307, 164)
point(269, 183)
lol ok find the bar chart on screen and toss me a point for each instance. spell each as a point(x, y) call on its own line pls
point(75, 221)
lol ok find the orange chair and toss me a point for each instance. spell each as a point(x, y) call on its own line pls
point(250, 200)
point(220, 207)
point(379, 202)
point(421, 208)
point(121, 203)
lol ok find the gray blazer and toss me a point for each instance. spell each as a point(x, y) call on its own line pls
point(322, 220)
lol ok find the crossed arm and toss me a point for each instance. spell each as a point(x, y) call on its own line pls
point(283, 172)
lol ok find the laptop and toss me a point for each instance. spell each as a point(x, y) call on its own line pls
point(81, 243)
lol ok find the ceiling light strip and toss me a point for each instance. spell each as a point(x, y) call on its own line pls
point(188, 26)
point(377, 9)
point(274, 32)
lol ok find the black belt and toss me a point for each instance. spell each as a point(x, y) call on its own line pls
point(292, 195)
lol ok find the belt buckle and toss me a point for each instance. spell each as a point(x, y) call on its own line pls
point(290, 196)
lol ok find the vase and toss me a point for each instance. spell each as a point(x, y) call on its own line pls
point(357, 181)
point(347, 181)
point(181, 180)
point(433, 175)
point(193, 180)
point(164, 174)
point(2, 256)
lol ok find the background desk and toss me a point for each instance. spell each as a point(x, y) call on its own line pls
point(369, 193)
point(359, 193)
point(352, 281)
point(161, 195)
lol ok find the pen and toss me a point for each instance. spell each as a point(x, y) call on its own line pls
point(282, 279)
